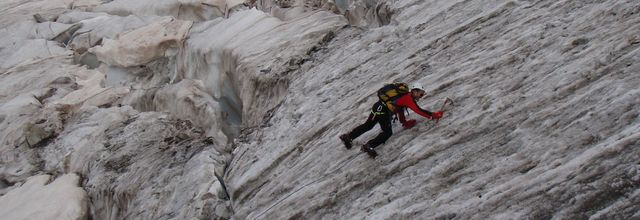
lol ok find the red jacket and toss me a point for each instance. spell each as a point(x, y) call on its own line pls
point(407, 101)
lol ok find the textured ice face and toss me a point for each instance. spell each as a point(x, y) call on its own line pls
point(544, 123)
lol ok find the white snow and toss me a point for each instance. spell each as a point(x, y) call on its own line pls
point(144, 44)
point(221, 109)
point(41, 197)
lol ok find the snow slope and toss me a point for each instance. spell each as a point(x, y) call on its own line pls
point(231, 109)
point(545, 123)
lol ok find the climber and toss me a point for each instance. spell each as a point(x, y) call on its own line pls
point(393, 99)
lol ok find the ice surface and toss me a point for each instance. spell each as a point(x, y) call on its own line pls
point(235, 113)
point(61, 198)
point(543, 121)
point(144, 44)
point(194, 10)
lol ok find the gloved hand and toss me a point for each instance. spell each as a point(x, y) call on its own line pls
point(437, 115)
point(409, 124)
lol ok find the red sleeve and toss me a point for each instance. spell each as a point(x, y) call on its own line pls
point(408, 102)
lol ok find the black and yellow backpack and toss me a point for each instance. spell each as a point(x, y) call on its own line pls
point(390, 92)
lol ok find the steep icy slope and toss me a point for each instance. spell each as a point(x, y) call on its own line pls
point(142, 101)
point(545, 123)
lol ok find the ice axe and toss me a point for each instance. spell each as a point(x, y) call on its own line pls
point(446, 100)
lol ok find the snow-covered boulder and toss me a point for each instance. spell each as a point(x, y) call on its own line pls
point(144, 44)
point(46, 197)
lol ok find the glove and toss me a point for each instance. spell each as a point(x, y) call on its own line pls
point(409, 124)
point(437, 115)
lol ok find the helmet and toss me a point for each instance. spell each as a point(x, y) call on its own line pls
point(417, 86)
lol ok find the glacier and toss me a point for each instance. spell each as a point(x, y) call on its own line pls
point(229, 109)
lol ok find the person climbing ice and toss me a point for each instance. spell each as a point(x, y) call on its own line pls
point(393, 99)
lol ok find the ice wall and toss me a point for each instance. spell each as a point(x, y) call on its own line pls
point(222, 54)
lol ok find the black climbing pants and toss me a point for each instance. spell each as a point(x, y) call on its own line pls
point(381, 115)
